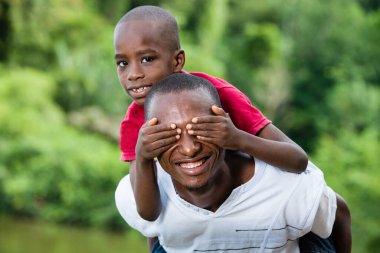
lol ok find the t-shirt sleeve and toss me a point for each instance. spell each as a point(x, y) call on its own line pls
point(129, 131)
point(325, 216)
point(244, 115)
point(126, 205)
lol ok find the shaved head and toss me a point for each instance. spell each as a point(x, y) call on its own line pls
point(165, 21)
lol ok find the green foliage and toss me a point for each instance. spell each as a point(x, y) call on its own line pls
point(326, 36)
point(351, 166)
point(75, 47)
point(48, 169)
point(312, 67)
point(349, 151)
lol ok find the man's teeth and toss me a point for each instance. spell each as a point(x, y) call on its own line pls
point(191, 165)
point(141, 89)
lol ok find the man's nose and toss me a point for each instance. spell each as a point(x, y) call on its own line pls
point(135, 72)
point(188, 145)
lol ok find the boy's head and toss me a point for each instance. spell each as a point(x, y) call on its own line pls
point(192, 163)
point(147, 49)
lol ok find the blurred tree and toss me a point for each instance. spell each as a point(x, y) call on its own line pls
point(350, 163)
point(312, 67)
point(341, 40)
point(4, 30)
point(370, 5)
point(48, 169)
point(203, 45)
point(76, 47)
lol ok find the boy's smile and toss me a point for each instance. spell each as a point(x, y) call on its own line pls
point(143, 57)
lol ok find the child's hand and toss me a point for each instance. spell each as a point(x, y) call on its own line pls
point(218, 129)
point(154, 139)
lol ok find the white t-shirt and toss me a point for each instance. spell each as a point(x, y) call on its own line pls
point(267, 214)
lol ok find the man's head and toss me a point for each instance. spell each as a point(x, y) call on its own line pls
point(147, 49)
point(193, 164)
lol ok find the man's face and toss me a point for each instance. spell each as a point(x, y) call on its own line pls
point(142, 57)
point(192, 163)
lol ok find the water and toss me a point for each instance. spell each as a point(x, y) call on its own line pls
point(26, 236)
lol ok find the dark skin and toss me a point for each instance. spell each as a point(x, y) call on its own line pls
point(192, 162)
point(341, 233)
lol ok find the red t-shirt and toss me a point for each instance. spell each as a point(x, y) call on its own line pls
point(243, 114)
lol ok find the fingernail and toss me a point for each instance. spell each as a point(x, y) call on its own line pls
point(179, 130)
point(172, 126)
point(177, 137)
point(188, 126)
point(194, 120)
point(191, 131)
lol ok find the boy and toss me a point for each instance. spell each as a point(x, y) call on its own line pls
point(147, 49)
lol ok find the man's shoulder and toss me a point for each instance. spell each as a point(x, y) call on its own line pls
point(310, 182)
point(123, 190)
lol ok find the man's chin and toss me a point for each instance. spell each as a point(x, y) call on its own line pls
point(197, 188)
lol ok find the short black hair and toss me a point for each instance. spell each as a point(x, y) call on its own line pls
point(167, 22)
point(178, 82)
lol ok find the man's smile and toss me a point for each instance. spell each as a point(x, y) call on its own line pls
point(191, 165)
point(194, 167)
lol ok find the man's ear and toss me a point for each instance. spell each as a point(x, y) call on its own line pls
point(179, 58)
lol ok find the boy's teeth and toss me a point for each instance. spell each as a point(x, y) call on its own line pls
point(141, 89)
point(191, 165)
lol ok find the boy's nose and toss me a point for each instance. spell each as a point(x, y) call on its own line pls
point(135, 73)
point(188, 146)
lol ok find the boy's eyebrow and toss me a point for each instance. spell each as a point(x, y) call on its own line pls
point(139, 52)
point(118, 56)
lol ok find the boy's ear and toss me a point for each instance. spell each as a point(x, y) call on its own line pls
point(179, 60)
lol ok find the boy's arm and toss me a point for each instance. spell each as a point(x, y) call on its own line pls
point(153, 139)
point(282, 152)
point(271, 145)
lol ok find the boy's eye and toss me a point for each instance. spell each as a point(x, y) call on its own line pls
point(122, 64)
point(147, 59)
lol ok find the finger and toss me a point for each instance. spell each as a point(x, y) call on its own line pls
point(217, 126)
point(208, 119)
point(152, 122)
point(208, 139)
point(218, 111)
point(160, 150)
point(160, 144)
point(205, 133)
point(150, 129)
point(155, 136)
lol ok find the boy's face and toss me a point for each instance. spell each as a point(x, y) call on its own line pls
point(193, 164)
point(143, 57)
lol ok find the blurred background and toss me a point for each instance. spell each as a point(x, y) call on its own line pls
point(312, 67)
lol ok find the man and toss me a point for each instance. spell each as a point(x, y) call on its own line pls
point(207, 202)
